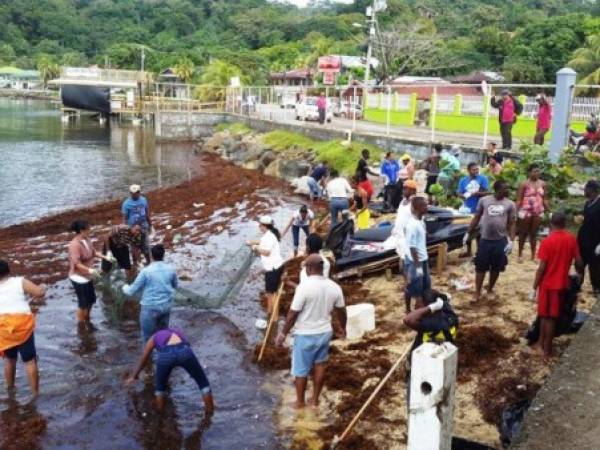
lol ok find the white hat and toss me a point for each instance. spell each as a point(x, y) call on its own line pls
point(135, 188)
point(265, 220)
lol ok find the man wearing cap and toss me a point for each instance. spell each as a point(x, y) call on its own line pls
point(310, 316)
point(407, 170)
point(508, 110)
point(136, 211)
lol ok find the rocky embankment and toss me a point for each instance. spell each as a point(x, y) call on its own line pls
point(249, 151)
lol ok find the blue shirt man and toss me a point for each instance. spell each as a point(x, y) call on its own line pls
point(157, 282)
point(135, 209)
point(390, 168)
point(472, 187)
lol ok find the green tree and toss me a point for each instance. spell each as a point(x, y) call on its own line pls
point(586, 61)
point(184, 69)
point(48, 68)
point(7, 54)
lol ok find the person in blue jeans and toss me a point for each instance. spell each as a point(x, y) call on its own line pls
point(416, 266)
point(316, 178)
point(136, 211)
point(157, 282)
point(338, 191)
point(173, 350)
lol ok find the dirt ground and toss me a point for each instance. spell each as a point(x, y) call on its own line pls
point(496, 367)
point(181, 213)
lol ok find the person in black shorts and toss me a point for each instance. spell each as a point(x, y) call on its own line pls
point(115, 246)
point(497, 215)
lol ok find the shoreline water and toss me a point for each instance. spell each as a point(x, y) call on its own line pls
point(30, 94)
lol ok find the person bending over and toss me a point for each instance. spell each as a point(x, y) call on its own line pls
point(173, 350)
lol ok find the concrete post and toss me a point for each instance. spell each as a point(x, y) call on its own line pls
point(457, 110)
point(431, 409)
point(561, 114)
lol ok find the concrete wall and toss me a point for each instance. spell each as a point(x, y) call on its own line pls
point(181, 126)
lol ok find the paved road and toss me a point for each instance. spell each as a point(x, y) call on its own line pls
point(421, 134)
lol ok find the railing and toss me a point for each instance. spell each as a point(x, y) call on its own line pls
point(97, 74)
point(451, 113)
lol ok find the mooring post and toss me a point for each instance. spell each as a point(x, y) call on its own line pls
point(561, 116)
point(431, 408)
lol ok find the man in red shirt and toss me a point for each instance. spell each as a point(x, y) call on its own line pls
point(556, 254)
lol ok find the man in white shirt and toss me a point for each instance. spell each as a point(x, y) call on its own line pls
point(310, 315)
point(409, 189)
point(416, 268)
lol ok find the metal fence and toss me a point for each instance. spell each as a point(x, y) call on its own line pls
point(451, 113)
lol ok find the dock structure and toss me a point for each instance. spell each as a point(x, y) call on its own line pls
point(129, 94)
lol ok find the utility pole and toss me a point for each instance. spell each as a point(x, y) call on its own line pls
point(370, 13)
point(143, 58)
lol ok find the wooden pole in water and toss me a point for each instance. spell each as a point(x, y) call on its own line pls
point(274, 313)
point(336, 439)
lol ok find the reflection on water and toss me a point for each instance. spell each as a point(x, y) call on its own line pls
point(48, 165)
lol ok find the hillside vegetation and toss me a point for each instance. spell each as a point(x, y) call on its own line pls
point(207, 41)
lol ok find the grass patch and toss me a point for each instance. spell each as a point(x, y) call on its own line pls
point(234, 127)
point(343, 158)
point(281, 140)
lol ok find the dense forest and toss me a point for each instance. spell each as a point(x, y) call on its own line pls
point(207, 41)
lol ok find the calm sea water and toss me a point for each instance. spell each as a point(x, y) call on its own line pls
point(48, 166)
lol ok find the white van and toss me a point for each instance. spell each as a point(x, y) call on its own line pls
point(308, 110)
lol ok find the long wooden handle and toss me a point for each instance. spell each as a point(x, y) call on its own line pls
point(373, 395)
point(271, 320)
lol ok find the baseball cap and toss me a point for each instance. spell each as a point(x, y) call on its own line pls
point(135, 188)
point(265, 220)
point(505, 92)
point(405, 157)
point(410, 184)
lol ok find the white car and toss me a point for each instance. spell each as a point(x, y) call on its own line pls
point(308, 110)
point(348, 110)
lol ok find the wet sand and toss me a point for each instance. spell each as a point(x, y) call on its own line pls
point(496, 367)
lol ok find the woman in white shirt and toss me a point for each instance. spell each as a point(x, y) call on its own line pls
point(270, 254)
point(338, 191)
point(17, 325)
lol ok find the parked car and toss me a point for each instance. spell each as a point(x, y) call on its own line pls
point(308, 110)
point(348, 110)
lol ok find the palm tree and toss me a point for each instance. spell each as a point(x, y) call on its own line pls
point(184, 69)
point(586, 61)
point(47, 68)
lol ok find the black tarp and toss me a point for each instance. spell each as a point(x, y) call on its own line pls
point(90, 98)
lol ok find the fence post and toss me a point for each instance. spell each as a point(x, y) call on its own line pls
point(486, 115)
point(432, 112)
point(387, 117)
point(354, 109)
point(561, 117)
point(395, 102)
point(412, 108)
point(431, 406)
point(457, 110)
point(379, 100)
